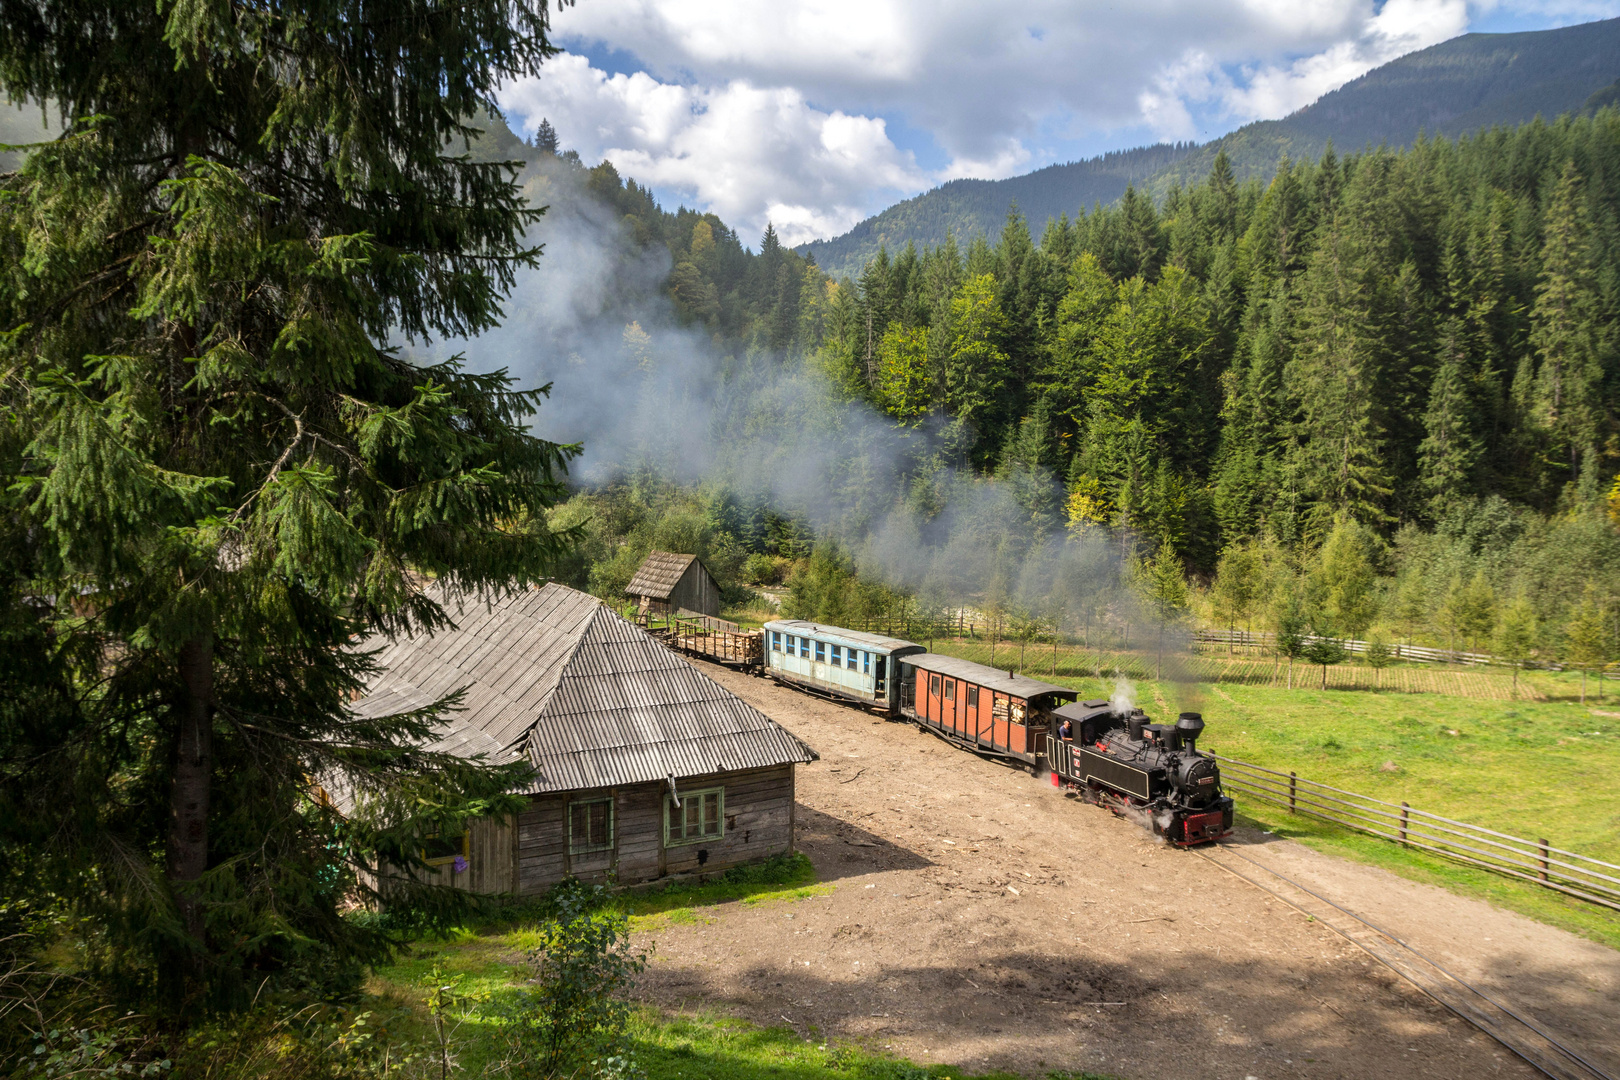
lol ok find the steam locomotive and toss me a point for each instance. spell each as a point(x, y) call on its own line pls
point(1121, 761)
point(1116, 759)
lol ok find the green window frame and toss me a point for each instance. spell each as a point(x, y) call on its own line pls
point(590, 825)
point(701, 816)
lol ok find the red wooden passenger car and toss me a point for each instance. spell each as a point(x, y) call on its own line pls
point(988, 710)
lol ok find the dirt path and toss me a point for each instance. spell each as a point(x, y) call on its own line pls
point(983, 918)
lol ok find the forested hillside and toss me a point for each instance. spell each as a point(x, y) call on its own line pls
point(1457, 87)
point(968, 208)
point(1384, 337)
point(1409, 356)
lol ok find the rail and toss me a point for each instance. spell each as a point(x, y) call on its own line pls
point(1536, 861)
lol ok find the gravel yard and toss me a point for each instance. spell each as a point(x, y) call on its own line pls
point(982, 918)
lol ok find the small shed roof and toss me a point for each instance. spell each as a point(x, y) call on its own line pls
point(1019, 686)
point(659, 573)
point(592, 701)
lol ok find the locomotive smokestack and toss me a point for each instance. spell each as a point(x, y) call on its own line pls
point(1190, 725)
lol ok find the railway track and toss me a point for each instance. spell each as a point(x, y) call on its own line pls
point(1518, 1033)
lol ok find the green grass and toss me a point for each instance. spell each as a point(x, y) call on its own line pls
point(1532, 769)
point(706, 1047)
point(489, 960)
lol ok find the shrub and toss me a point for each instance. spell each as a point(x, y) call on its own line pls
point(569, 1018)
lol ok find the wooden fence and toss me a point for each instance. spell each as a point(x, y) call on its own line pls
point(1568, 872)
point(1420, 653)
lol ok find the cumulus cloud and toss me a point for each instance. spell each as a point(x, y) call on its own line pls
point(1403, 26)
point(777, 110)
point(748, 153)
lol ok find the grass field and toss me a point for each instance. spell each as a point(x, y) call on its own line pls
point(685, 1046)
point(1533, 768)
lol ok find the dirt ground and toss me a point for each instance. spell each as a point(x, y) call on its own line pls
point(982, 918)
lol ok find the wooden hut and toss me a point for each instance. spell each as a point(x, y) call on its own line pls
point(643, 766)
point(667, 583)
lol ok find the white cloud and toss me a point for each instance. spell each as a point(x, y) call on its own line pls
point(775, 110)
point(1403, 26)
point(748, 153)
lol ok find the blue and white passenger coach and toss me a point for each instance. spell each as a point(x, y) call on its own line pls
point(849, 664)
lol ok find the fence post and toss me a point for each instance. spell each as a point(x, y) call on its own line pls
point(1293, 785)
point(1543, 860)
point(1404, 816)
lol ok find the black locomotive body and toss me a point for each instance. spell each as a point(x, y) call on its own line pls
point(1129, 765)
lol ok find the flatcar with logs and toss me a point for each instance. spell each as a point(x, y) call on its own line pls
point(1115, 758)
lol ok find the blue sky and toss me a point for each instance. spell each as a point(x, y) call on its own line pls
point(814, 114)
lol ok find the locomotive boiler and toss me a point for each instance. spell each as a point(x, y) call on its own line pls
point(1131, 766)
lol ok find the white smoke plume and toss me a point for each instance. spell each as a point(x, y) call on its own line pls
point(1123, 699)
point(695, 410)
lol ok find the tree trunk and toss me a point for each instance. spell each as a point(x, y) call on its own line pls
point(1324, 676)
point(1583, 686)
point(193, 770)
point(1290, 673)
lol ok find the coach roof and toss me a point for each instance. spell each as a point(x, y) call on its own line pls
point(873, 642)
point(998, 679)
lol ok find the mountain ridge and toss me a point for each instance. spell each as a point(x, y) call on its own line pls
point(1469, 83)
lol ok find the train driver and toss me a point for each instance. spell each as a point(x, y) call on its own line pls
point(1065, 731)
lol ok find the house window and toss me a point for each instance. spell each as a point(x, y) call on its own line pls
point(440, 850)
point(837, 655)
point(700, 816)
point(973, 697)
point(776, 641)
point(590, 825)
point(933, 686)
point(821, 652)
point(950, 689)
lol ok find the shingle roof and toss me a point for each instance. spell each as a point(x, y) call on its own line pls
point(591, 700)
point(659, 574)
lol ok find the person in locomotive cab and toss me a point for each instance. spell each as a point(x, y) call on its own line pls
point(1065, 730)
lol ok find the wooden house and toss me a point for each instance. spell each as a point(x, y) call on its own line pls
point(643, 766)
point(667, 583)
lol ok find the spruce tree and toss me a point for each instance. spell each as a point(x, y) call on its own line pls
point(1334, 376)
point(224, 467)
point(1450, 445)
point(1563, 333)
point(545, 137)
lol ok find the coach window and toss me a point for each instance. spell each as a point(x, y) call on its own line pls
point(837, 655)
point(866, 663)
point(776, 641)
point(933, 686)
point(821, 652)
point(973, 697)
point(950, 689)
point(850, 661)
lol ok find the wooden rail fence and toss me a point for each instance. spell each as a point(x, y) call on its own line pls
point(1536, 861)
point(1420, 653)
